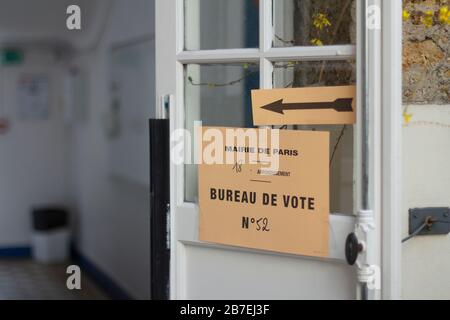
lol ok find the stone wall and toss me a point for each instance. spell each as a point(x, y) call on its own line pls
point(426, 51)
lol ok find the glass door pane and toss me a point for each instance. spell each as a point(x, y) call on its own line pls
point(219, 24)
point(218, 95)
point(314, 23)
point(294, 74)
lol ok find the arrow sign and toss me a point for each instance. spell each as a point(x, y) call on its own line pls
point(340, 105)
point(311, 105)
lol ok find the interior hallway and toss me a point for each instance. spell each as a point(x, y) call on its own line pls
point(94, 96)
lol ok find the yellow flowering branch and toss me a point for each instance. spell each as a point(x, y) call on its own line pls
point(428, 18)
point(321, 21)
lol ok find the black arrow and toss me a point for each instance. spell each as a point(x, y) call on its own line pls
point(340, 105)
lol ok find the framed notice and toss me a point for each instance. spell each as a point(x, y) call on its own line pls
point(33, 97)
point(273, 195)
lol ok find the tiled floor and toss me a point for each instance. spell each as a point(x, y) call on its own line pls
point(25, 279)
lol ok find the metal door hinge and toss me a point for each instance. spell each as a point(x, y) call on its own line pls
point(436, 220)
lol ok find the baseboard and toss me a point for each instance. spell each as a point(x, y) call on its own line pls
point(15, 252)
point(105, 282)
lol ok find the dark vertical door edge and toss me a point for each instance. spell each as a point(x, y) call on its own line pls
point(159, 202)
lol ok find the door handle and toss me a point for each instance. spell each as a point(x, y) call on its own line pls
point(352, 248)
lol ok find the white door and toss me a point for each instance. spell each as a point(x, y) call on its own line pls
point(209, 54)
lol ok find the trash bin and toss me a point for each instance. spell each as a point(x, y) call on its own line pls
point(51, 235)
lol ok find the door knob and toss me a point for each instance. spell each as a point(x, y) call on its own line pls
point(352, 248)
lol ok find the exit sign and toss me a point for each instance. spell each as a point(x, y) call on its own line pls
point(12, 57)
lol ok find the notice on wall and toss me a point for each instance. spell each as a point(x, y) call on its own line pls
point(33, 97)
point(272, 194)
point(315, 105)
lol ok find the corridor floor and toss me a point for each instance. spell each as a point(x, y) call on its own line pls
point(24, 279)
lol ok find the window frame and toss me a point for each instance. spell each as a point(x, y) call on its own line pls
point(265, 56)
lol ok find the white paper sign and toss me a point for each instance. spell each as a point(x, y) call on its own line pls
point(33, 97)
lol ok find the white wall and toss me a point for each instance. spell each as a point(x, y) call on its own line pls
point(33, 154)
point(112, 215)
point(426, 183)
